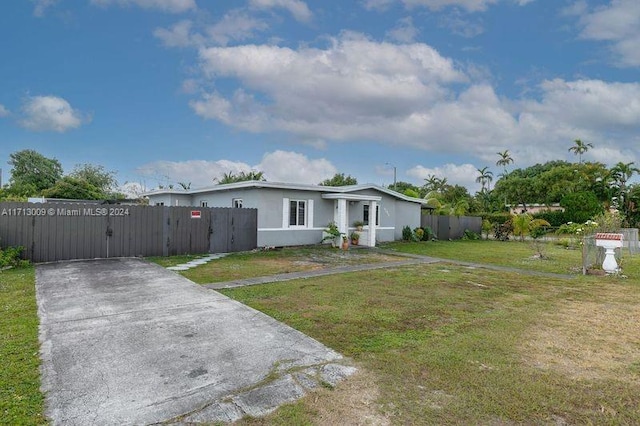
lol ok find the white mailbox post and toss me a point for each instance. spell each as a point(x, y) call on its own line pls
point(610, 242)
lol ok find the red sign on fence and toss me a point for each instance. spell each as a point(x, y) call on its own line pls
point(196, 214)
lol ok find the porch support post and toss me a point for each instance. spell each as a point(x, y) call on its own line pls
point(373, 207)
point(340, 215)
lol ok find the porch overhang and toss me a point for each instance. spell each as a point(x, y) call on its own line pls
point(341, 213)
point(350, 197)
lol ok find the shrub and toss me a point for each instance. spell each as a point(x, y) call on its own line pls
point(10, 257)
point(555, 218)
point(498, 218)
point(581, 206)
point(502, 232)
point(428, 234)
point(470, 235)
point(419, 233)
point(407, 234)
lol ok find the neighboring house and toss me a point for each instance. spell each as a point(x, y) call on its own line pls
point(292, 214)
point(534, 208)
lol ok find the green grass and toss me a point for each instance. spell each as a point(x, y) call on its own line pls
point(513, 254)
point(262, 263)
point(446, 342)
point(20, 399)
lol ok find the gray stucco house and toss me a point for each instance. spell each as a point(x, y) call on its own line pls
point(293, 214)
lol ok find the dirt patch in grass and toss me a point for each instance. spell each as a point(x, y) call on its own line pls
point(588, 340)
point(352, 402)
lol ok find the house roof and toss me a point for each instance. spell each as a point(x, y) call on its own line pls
point(280, 185)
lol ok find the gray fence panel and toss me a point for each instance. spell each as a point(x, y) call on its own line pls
point(244, 230)
point(220, 218)
point(451, 227)
point(63, 231)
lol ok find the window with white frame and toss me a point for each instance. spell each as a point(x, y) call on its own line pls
point(297, 212)
point(204, 204)
point(160, 203)
point(236, 203)
point(365, 214)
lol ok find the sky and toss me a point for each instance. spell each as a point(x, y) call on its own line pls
point(169, 91)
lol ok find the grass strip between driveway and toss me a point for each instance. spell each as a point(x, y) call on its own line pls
point(21, 401)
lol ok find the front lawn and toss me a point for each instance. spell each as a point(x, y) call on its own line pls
point(281, 261)
point(447, 344)
point(515, 254)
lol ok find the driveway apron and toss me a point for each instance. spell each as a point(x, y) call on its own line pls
point(124, 341)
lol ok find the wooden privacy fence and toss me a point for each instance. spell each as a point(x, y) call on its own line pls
point(65, 231)
point(451, 227)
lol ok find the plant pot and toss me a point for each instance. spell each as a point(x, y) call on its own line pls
point(355, 242)
point(345, 246)
point(359, 228)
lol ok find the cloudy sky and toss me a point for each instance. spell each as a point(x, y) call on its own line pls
point(167, 91)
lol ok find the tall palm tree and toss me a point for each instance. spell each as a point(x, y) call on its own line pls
point(580, 148)
point(621, 173)
point(434, 183)
point(505, 160)
point(485, 177)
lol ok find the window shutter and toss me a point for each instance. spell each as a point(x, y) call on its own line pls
point(285, 213)
point(310, 214)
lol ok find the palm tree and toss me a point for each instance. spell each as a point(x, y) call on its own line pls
point(621, 173)
point(580, 148)
point(485, 178)
point(434, 183)
point(242, 177)
point(505, 160)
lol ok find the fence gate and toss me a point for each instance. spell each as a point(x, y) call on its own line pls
point(64, 231)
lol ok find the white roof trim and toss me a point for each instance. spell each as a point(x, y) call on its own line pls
point(281, 185)
point(351, 197)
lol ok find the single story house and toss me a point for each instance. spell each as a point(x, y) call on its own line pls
point(295, 214)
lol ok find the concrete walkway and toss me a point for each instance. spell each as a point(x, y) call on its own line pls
point(124, 341)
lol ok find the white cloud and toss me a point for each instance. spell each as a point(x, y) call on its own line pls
point(461, 26)
point(197, 172)
point(611, 155)
point(278, 166)
point(286, 166)
point(41, 6)
point(589, 104)
point(404, 31)
point(297, 8)
point(4, 112)
point(380, 5)
point(50, 113)
point(132, 189)
point(463, 174)
point(468, 5)
point(335, 93)
point(409, 95)
point(171, 6)
point(179, 35)
point(618, 24)
point(236, 25)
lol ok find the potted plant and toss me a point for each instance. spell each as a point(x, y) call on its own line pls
point(345, 242)
point(358, 224)
point(355, 238)
point(331, 233)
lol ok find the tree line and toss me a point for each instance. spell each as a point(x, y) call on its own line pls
point(34, 175)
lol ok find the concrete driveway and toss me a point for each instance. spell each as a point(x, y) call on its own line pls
point(124, 341)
